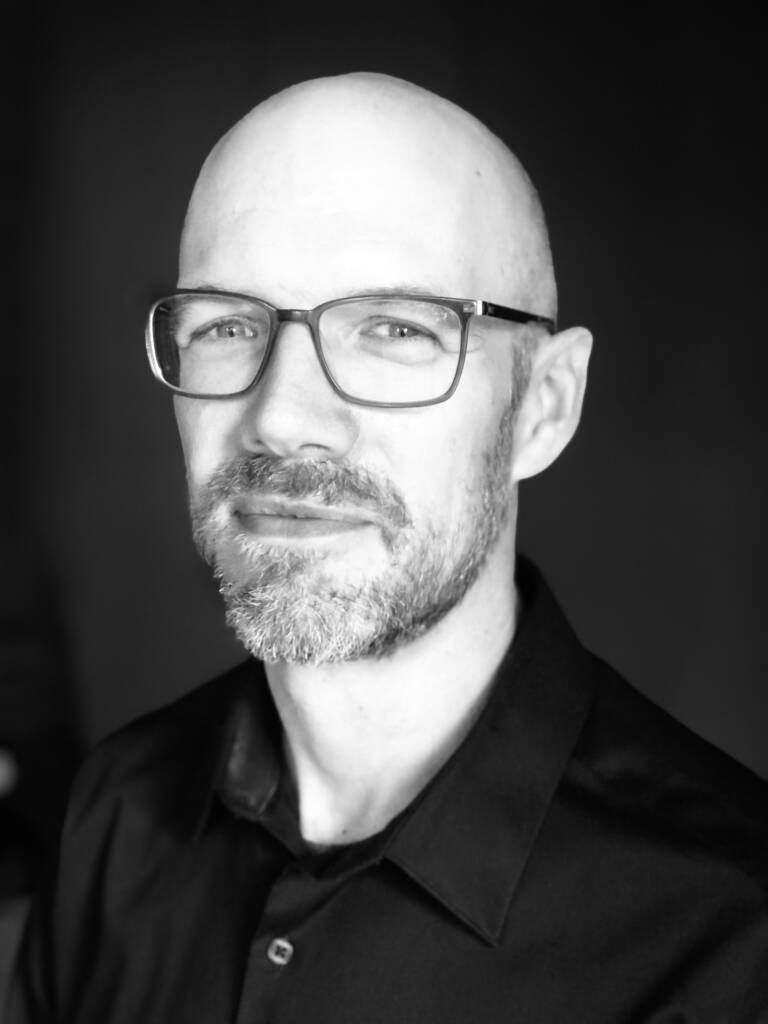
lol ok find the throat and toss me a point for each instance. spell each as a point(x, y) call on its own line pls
point(363, 738)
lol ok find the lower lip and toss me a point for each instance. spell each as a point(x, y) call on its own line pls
point(261, 525)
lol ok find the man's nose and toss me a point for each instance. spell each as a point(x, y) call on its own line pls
point(294, 411)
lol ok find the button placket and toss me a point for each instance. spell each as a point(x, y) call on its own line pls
point(294, 899)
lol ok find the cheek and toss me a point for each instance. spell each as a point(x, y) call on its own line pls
point(206, 430)
point(437, 461)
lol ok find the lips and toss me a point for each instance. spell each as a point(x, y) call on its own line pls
point(283, 508)
point(281, 519)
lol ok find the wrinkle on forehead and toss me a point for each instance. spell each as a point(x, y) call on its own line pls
point(365, 156)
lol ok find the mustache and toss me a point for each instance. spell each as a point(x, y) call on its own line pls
point(324, 481)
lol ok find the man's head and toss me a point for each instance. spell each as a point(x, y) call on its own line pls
point(341, 530)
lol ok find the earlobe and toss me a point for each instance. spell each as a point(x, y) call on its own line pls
point(551, 409)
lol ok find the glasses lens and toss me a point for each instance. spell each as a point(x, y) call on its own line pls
point(209, 344)
point(391, 349)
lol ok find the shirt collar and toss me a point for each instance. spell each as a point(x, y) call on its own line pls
point(249, 768)
point(468, 835)
point(473, 830)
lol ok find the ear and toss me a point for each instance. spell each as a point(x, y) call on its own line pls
point(551, 408)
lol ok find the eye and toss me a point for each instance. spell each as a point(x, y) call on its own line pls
point(397, 330)
point(229, 329)
point(404, 331)
point(233, 331)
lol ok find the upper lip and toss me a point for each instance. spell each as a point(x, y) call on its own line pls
point(274, 506)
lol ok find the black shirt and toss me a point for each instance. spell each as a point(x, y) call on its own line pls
point(581, 858)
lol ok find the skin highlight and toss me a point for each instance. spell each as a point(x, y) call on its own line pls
point(312, 139)
point(354, 184)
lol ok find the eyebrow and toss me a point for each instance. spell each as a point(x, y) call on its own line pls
point(407, 288)
point(404, 288)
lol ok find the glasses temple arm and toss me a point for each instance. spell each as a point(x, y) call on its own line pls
point(516, 315)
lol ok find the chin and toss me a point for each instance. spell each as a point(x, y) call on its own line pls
point(244, 561)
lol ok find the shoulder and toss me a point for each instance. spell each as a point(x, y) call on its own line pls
point(656, 772)
point(164, 761)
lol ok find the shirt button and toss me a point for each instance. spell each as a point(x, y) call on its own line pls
point(280, 951)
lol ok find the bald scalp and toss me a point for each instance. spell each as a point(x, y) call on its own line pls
point(369, 146)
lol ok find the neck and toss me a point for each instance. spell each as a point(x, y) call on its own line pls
point(363, 738)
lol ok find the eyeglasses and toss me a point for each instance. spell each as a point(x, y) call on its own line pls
point(388, 350)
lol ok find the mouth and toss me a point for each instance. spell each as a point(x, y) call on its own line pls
point(280, 517)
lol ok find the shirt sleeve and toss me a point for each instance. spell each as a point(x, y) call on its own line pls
point(53, 951)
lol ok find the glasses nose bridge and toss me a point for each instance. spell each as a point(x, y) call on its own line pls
point(293, 316)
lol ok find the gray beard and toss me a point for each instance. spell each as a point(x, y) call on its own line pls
point(290, 609)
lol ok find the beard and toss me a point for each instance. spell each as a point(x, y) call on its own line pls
point(288, 606)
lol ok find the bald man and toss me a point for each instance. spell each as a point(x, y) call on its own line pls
point(418, 799)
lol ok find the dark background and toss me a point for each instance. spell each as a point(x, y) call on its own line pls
point(644, 135)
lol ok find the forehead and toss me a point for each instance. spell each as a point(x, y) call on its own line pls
point(289, 260)
point(342, 203)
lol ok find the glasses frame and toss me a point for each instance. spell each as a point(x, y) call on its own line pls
point(465, 308)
